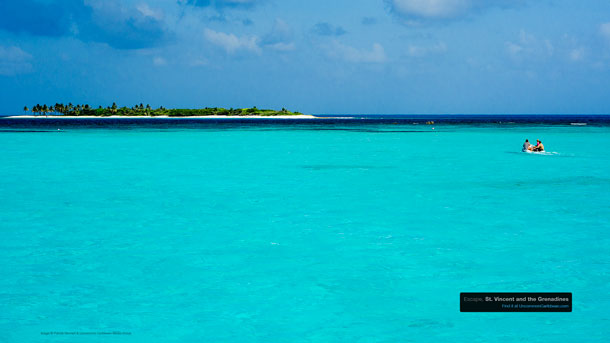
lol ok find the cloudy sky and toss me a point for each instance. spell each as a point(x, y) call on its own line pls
point(315, 56)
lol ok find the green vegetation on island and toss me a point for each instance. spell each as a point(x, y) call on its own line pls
point(141, 110)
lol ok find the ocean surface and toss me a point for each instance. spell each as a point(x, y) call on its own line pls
point(325, 230)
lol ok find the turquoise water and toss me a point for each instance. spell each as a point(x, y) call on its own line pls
point(300, 233)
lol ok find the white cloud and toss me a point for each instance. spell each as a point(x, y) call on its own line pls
point(282, 46)
point(577, 54)
point(280, 38)
point(14, 61)
point(430, 8)
point(529, 46)
point(159, 61)
point(238, 2)
point(549, 47)
point(146, 11)
point(422, 51)
point(232, 43)
point(221, 3)
point(351, 54)
point(604, 30)
point(513, 49)
point(200, 62)
point(415, 11)
point(328, 29)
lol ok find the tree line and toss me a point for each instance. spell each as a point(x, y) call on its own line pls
point(141, 110)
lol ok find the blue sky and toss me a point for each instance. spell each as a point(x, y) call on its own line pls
point(355, 56)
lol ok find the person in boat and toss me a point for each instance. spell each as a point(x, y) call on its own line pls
point(539, 146)
point(526, 146)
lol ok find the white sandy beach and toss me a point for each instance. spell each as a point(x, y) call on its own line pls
point(302, 116)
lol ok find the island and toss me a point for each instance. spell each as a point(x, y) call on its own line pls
point(140, 111)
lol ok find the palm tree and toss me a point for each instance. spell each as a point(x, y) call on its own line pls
point(25, 109)
point(45, 109)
